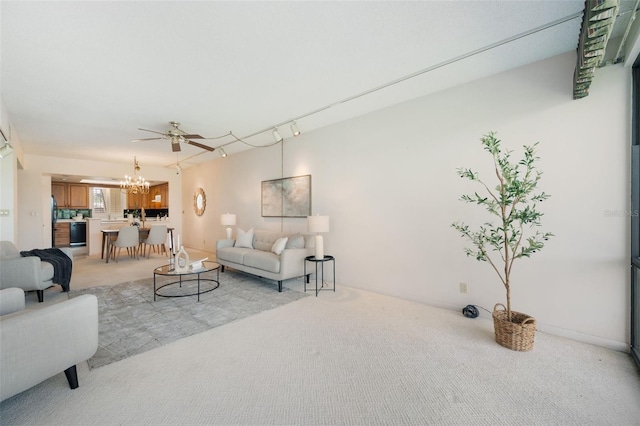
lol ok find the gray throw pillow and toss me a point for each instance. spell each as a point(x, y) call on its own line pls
point(295, 241)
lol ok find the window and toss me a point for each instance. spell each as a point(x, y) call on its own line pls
point(97, 200)
point(107, 201)
point(635, 219)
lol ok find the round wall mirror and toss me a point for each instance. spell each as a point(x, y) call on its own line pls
point(199, 201)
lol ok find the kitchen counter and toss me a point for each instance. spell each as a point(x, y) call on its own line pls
point(154, 220)
point(71, 220)
point(95, 226)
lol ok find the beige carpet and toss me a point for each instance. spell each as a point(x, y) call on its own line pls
point(350, 357)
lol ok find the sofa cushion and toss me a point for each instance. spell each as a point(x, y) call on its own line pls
point(279, 245)
point(244, 239)
point(264, 240)
point(46, 271)
point(265, 260)
point(8, 250)
point(233, 254)
point(295, 241)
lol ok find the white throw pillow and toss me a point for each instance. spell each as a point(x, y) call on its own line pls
point(244, 239)
point(278, 246)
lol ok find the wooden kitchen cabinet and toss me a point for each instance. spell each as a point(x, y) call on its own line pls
point(138, 201)
point(70, 195)
point(61, 234)
point(161, 190)
point(59, 192)
point(78, 196)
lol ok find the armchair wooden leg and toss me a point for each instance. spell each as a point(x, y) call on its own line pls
point(72, 376)
point(40, 294)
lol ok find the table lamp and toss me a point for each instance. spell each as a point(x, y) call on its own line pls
point(228, 220)
point(318, 224)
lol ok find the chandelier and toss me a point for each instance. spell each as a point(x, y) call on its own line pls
point(134, 184)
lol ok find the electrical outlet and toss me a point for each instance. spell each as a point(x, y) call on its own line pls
point(463, 287)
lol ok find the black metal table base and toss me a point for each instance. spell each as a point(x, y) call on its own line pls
point(199, 280)
point(321, 262)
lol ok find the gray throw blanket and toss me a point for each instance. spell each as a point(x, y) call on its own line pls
point(62, 264)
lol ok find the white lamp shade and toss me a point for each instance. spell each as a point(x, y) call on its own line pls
point(318, 223)
point(228, 219)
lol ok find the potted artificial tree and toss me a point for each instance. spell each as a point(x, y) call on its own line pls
point(514, 234)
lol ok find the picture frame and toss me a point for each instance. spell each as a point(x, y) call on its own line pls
point(286, 197)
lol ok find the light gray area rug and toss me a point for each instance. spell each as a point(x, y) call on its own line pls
point(131, 322)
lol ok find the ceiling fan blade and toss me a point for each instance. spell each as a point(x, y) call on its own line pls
point(145, 139)
point(152, 131)
point(199, 145)
point(192, 137)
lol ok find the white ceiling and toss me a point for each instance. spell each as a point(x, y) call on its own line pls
point(80, 78)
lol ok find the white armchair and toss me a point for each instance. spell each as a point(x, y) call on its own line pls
point(36, 344)
point(28, 273)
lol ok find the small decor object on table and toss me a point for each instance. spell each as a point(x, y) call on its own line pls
point(514, 203)
point(321, 261)
point(181, 262)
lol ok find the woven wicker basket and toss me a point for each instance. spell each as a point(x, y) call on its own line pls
point(517, 334)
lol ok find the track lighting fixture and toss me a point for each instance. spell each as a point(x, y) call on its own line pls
point(223, 153)
point(5, 150)
point(276, 135)
point(294, 129)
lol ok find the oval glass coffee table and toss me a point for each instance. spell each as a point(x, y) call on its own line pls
point(188, 283)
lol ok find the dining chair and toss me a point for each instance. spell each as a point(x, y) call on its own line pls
point(156, 240)
point(129, 237)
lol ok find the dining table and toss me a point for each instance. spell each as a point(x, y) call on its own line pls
point(110, 235)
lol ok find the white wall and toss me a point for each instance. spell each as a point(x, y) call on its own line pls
point(34, 192)
point(9, 166)
point(387, 180)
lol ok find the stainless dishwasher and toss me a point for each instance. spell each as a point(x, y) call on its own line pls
point(78, 234)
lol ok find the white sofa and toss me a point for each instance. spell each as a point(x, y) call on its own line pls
point(39, 343)
point(260, 259)
point(28, 273)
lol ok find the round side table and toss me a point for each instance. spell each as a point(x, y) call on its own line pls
point(320, 262)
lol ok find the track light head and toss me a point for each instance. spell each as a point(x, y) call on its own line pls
point(276, 135)
point(5, 150)
point(294, 129)
point(223, 153)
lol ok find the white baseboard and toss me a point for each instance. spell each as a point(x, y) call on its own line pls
point(544, 328)
point(585, 338)
point(556, 331)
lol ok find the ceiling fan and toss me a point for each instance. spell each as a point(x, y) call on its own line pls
point(176, 135)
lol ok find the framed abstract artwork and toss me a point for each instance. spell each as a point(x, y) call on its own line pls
point(287, 197)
